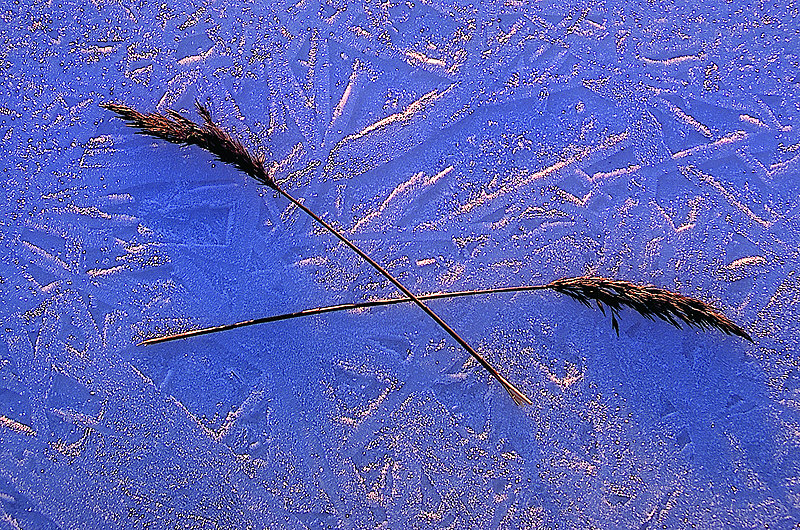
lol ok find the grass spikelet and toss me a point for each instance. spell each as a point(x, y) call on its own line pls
point(651, 302)
point(177, 129)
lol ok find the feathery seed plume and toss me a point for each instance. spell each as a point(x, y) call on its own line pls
point(647, 300)
point(176, 129)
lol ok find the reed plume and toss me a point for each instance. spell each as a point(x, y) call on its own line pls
point(175, 128)
point(647, 300)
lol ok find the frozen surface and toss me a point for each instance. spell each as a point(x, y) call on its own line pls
point(463, 145)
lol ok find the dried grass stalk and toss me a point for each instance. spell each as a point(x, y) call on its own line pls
point(174, 128)
point(585, 289)
point(647, 300)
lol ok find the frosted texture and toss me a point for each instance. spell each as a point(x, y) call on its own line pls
point(464, 146)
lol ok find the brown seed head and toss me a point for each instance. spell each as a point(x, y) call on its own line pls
point(647, 300)
point(177, 129)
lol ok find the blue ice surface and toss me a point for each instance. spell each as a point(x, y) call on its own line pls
point(464, 146)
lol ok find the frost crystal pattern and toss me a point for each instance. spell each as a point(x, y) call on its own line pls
point(464, 145)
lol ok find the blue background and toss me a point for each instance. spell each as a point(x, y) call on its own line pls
point(464, 146)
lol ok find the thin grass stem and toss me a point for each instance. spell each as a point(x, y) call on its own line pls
point(518, 397)
point(332, 309)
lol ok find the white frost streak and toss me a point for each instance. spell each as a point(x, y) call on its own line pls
point(343, 101)
point(672, 61)
point(610, 175)
point(99, 273)
point(191, 59)
point(735, 137)
point(344, 107)
point(689, 120)
point(733, 200)
point(545, 172)
point(416, 56)
point(401, 117)
point(749, 261)
point(395, 200)
point(50, 259)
